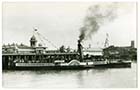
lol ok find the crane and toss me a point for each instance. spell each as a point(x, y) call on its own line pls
point(106, 44)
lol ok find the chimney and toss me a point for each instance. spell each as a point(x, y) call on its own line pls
point(132, 44)
point(80, 51)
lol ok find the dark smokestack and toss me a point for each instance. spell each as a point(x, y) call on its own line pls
point(80, 48)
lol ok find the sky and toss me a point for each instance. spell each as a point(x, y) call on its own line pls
point(60, 23)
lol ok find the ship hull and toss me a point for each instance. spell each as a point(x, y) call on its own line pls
point(52, 68)
point(114, 65)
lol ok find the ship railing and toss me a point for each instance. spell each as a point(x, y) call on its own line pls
point(100, 62)
point(34, 64)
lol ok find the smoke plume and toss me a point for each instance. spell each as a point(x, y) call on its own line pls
point(97, 15)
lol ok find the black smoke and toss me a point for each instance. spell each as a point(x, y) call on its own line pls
point(97, 16)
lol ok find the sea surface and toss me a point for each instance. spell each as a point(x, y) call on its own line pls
point(92, 78)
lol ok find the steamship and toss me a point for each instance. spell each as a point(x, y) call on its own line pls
point(33, 57)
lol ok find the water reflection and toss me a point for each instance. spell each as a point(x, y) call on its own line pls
point(92, 78)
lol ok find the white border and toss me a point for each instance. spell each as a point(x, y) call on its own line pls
point(138, 36)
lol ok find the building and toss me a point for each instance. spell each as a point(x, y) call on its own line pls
point(93, 51)
point(115, 52)
point(95, 54)
point(33, 48)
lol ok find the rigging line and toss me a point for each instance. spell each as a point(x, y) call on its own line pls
point(41, 39)
point(48, 40)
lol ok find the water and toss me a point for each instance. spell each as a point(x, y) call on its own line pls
point(93, 78)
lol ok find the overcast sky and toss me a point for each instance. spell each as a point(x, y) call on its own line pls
point(60, 23)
